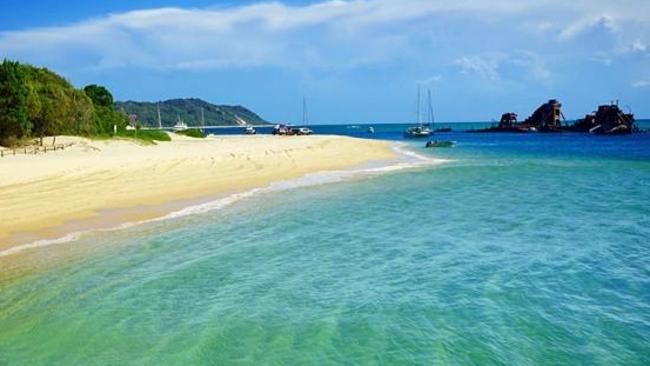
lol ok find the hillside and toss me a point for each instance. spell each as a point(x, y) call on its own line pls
point(189, 111)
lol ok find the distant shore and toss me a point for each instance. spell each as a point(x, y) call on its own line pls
point(93, 181)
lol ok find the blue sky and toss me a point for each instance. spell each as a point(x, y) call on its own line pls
point(355, 61)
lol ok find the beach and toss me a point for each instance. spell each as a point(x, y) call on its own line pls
point(40, 193)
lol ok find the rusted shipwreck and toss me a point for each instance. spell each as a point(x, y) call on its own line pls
point(546, 118)
point(609, 119)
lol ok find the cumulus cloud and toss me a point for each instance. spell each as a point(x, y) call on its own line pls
point(328, 34)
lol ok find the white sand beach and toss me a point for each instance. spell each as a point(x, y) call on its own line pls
point(44, 191)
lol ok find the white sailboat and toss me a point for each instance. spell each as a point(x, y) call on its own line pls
point(431, 121)
point(305, 122)
point(420, 129)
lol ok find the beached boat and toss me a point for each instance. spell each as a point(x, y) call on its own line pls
point(305, 122)
point(431, 119)
point(301, 131)
point(421, 129)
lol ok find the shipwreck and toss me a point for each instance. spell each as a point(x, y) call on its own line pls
point(546, 118)
point(609, 119)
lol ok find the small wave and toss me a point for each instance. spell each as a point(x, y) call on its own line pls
point(408, 160)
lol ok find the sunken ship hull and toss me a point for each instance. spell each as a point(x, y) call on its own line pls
point(607, 120)
point(546, 118)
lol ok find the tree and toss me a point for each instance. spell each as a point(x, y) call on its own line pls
point(53, 109)
point(99, 95)
point(14, 122)
point(81, 119)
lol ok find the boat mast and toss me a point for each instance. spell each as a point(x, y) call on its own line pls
point(202, 118)
point(430, 106)
point(305, 122)
point(159, 119)
point(418, 117)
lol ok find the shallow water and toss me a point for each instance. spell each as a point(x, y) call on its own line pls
point(525, 249)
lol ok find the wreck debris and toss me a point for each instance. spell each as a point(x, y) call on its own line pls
point(546, 118)
point(609, 119)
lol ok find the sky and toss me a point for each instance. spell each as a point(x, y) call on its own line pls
point(357, 61)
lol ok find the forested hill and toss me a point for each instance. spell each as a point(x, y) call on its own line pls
point(189, 111)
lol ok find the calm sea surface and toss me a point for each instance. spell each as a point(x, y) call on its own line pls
point(522, 250)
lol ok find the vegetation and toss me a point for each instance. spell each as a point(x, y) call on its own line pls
point(35, 102)
point(145, 135)
point(193, 132)
point(189, 111)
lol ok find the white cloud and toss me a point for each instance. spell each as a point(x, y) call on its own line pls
point(641, 84)
point(483, 66)
point(516, 65)
point(638, 46)
point(329, 34)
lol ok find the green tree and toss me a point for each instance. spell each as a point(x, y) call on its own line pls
point(99, 95)
point(14, 122)
point(81, 120)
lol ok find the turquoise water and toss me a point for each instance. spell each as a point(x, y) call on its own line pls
point(527, 249)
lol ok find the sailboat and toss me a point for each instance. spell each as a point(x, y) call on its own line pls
point(305, 122)
point(435, 143)
point(419, 130)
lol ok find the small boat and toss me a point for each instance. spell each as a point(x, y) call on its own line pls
point(180, 125)
point(301, 131)
point(436, 143)
point(371, 129)
point(250, 130)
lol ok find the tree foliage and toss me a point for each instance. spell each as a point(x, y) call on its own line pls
point(35, 102)
point(99, 95)
point(14, 93)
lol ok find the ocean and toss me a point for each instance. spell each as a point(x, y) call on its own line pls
point(528, 249)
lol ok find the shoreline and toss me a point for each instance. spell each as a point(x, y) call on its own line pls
point(320, 151)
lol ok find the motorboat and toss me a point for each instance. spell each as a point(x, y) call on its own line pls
point(437, 143)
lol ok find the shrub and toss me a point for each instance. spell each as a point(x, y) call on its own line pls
point(193, 132)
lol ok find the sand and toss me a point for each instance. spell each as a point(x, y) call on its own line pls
point(45, 191)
